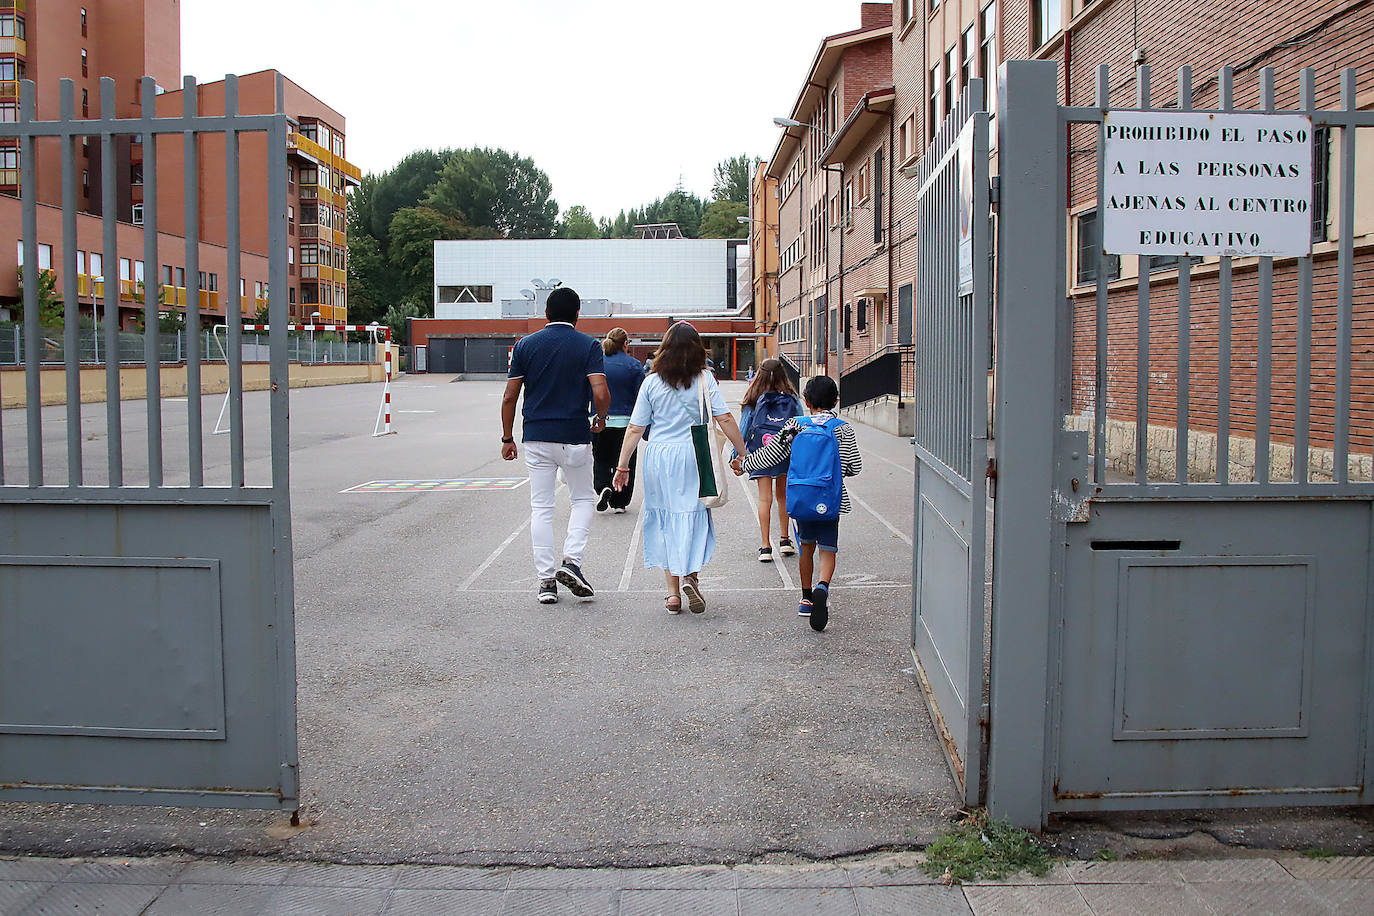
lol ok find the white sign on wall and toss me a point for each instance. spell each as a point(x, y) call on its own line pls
point(1199, 183)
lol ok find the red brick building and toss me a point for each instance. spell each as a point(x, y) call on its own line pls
point(126, 40)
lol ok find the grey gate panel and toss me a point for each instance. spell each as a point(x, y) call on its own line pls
point(488, 354)
point(147, 641)
point(1184, 617)
point(951, 318)
point(446, 354)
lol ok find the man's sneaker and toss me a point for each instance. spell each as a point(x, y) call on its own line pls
point(619, 510)
point(820, 611)
point(786, 548)
point(765, 554)
point(604, 501)
point(548, 592)
point(570, 576)
point(804, 608)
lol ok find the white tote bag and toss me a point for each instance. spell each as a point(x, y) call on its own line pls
point(716, 448)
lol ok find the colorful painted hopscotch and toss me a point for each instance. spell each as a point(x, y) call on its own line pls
point(437, 485)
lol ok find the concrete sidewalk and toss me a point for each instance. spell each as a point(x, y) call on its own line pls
point(888, 884)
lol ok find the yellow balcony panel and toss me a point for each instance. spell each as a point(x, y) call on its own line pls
point(17, 6)
point(9, 176)
point(209, 301)
point(14, 46)
point(9, 89)
point(308, 148)
point(352, 174)
point(340, 238)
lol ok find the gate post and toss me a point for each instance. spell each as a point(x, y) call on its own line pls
point(1032, 314)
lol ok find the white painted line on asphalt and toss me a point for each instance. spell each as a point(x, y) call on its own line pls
point(886, 523)
point(494, 554)
point(630, 553)
point(903, 467)
point(754, 504)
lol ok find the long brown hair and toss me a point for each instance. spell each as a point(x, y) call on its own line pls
point(614, 342)
point(770, 377)
point(681, 356)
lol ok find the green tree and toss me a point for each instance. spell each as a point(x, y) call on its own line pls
point(577, 223)
point(732, 179)
point(414, 231)
point(50, 309)
point(721, 220)
point(395, 318)
point(381, 196)
point(498, 190)
point(373, 283)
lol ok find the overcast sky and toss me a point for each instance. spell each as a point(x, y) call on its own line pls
point(614, 99)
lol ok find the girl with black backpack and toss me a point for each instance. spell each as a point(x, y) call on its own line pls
point(769, 404)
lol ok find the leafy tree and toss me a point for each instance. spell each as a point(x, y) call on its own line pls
point(721, 220)
point(373, 283)
point(496, 189)
point(577, 223)
point(395, 318)
point(50, 308)
point(732, 180)
point(414, 231)
point(404, 186)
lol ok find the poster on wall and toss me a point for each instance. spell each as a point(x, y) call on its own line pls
point(1207, 183)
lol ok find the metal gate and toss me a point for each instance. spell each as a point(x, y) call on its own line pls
point(952, 356)
point(147, 646)
point(1182, 603)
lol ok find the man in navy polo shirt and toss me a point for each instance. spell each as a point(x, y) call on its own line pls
point(562, 372)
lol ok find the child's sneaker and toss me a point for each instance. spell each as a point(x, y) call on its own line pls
point(785, 547)
point(820, 612)
point(804, 608)
point(765, 554)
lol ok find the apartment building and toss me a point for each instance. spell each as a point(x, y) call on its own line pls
point(763, 257)
point(126, 40)
point(813, 208)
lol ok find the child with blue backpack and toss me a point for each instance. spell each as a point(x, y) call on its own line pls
point(769, 404)
point(820, 451)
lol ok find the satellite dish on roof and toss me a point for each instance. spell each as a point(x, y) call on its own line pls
point(537, 282)
point(555, 282)
point(528, 294)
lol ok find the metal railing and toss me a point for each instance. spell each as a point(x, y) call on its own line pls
point(92, 349)
point(883, 373)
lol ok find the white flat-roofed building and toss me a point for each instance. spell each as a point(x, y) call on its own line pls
point(649, 276)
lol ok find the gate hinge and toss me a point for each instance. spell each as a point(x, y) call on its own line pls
point(995, 190)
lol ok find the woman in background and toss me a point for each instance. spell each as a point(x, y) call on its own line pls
point(624, 375)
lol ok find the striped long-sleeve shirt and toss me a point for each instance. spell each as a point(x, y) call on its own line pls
point(851, 462)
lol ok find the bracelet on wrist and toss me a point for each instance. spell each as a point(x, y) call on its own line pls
point(626, 470)
point(507, 441)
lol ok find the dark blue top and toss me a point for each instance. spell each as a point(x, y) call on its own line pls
point(624, 375)
point(554, 364)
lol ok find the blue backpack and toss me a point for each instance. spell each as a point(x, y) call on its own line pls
point(771, 413)
point(814, 474)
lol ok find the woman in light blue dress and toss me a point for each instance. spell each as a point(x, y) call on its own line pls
point(679, 537)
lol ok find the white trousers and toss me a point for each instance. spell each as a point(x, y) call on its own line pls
point(543, 460)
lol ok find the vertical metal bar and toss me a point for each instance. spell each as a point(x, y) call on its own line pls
point(1265, 347)
point(114, 433)
point(234, 317)
point(152, 290)
point(1225, 99)
point(276, 306)
point(1100, 399)
point(1142, 324)
point(1302, 408)
point(1346, 282)
point(191, 195)
point(1185, 292)
point(33, 337)
point(71, 308)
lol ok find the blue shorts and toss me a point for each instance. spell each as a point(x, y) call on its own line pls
point(825, 535)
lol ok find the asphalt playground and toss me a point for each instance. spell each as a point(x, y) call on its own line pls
point(446, 717)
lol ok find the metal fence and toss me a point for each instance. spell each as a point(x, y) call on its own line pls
point(173, 347)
